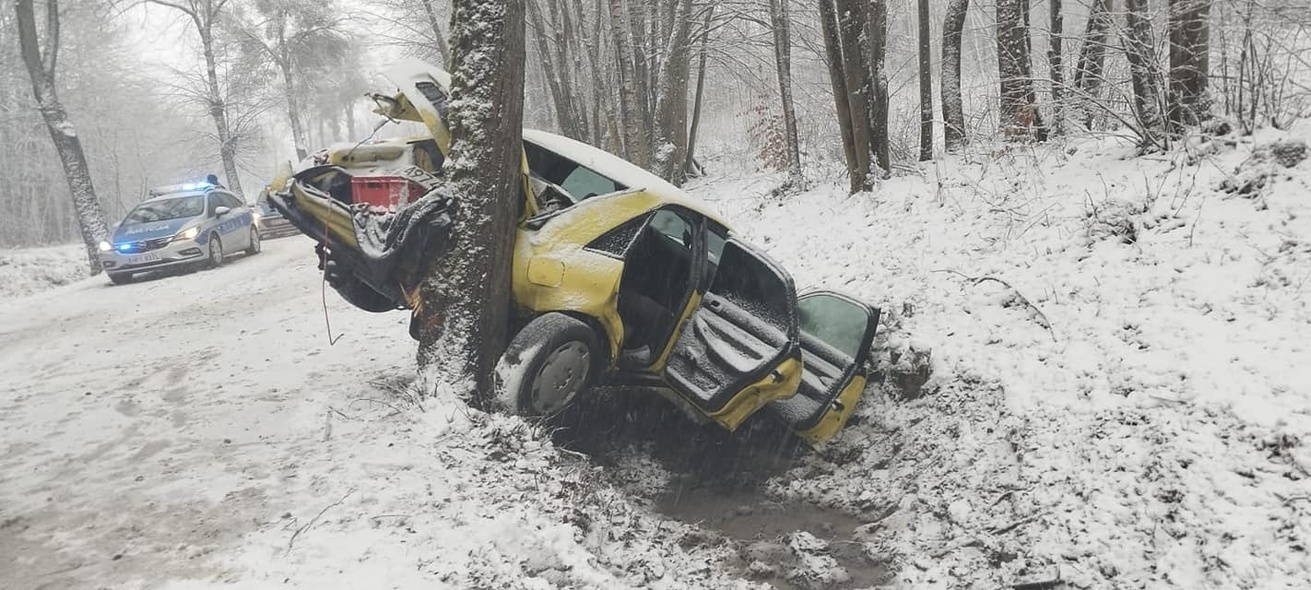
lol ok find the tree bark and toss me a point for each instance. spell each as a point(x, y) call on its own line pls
point(439, 38)
point(1089, 72)
point(926, 84)
point(632, 102)
point(953, 111)
point(41, 67)
point(1056, 65)
point(1140, 49)
point(1018, 111)
point(875, 48)
point(853, 118)
point(778, 15)
point(689, 165)
point(1189, 29)
point(670, 131)
point(465, 297)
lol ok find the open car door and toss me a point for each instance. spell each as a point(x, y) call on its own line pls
point(739, 349)
point(837, 333)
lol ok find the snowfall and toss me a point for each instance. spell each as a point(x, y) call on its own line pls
point(1093, 367)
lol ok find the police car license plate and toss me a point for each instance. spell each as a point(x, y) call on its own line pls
point(144, 258)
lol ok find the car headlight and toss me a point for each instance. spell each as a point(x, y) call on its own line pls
point(105, 247)
point(187, 234)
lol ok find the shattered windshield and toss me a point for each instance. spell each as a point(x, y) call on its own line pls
point(164, 209)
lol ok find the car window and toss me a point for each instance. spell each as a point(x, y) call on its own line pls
point(835, 320)
point(673, 226)
point(163, 209)
point(580, 181)
point(233, 201)
point(214, 204)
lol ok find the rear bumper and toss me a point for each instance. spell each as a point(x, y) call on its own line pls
point(276, 228)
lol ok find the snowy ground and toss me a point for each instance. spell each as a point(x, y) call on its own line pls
point(1119, 396)
point(29, 270)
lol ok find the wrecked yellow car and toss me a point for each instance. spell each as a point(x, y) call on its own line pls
point(619, 277)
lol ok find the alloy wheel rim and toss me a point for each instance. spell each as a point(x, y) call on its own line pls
point(561, 377)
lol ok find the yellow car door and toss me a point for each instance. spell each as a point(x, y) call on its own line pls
point(837, 333)
point(739, 349)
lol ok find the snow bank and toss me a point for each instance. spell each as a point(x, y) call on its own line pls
point(29, 270)
point(1121, 377)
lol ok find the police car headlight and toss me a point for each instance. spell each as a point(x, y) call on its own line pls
point(105, 247)
point(187, 234)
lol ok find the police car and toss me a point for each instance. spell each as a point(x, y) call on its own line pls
point(193, 225)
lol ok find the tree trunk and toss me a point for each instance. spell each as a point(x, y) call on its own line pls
point(632, 101)
point(689, 164)
point(1140, 49)
point(41, 67)
point(1018, 113)
point(778, 16)
point(1189, 30)
point(218, 109)
point(853, 120)
point(466, 295)
point(555, 74)
point(953, 111)
point(439, 38)
point(926, 84)
point(1090, 71)
point(876, 41)
point(293, 110)
point(1056, 65)
point(670, 130)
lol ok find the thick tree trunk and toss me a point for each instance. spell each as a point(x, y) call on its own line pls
point(1056, 65)
point(41, 67)
point(632, 99)
point(465, 298)
point(876, 40)
point(1140, 49)
point(778, 15)
point(953, 111)
point(926, 84)
point(1089, 72)
point(1018, 114)
point(1190, 32)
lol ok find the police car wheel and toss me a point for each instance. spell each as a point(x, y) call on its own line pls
point(215, 252)
point(254, 240)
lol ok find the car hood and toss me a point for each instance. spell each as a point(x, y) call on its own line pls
point(148, 231)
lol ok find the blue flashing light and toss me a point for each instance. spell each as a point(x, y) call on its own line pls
point(124, 247)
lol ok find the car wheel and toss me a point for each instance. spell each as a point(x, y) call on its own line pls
point(215, 252)
point(120, 278)
point(547, 365)
point(254, 241)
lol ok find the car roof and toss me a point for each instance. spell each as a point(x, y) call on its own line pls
point(616, 168)
point(179, 194)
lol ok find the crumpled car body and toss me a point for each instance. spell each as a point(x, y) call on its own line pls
point(674, 298)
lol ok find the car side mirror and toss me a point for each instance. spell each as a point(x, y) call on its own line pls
point(220, 211)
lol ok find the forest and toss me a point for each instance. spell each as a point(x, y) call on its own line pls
point(161, 90)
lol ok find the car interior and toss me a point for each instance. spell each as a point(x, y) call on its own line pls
point(739, 331)
point(835, 335)
point(655, 284)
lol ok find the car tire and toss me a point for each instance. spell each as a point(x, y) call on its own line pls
point(215, 258)
point(120, 278)
point(548, 365)
point(255, 240)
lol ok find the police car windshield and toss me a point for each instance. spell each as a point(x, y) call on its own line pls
point(164, 209)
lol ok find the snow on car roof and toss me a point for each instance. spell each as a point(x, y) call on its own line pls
point(615, 168)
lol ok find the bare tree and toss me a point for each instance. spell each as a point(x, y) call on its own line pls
point(926, 84)
point(670, 130)
point(780, 24)
point(42, 64)
point(1140, 49)
point(466, 293)
point(953, 112)
point(1018, 108)
point(301, 38)
point(1089, 72)
point(1189, 31)
point(1056, 64)
point(206, 15)
point(876, 42)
